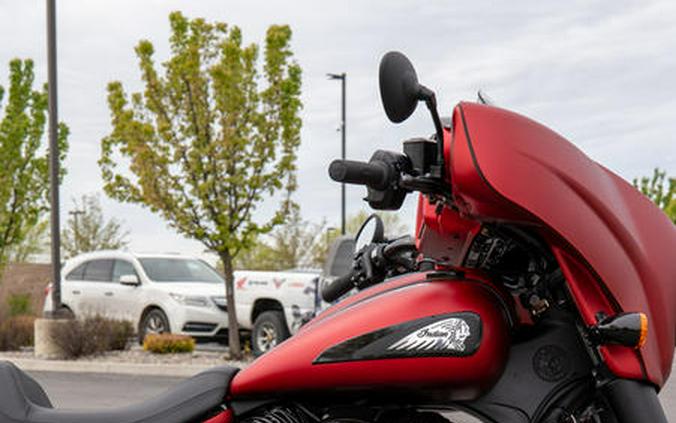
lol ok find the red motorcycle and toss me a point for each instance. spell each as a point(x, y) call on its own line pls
point(540, 287)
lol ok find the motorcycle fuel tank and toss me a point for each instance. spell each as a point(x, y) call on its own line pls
point(421, 331)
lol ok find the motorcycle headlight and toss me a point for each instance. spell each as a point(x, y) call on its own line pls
point(190, 300)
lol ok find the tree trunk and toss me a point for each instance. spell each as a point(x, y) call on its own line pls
point(233, 325)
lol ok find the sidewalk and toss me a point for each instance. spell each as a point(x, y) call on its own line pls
point(132, 362)
point(75, 366)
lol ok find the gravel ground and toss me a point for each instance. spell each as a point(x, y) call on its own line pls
point(201, 356)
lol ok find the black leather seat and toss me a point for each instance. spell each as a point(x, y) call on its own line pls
point(22, 400)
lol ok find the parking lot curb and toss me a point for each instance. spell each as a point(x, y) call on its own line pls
point(65, 366)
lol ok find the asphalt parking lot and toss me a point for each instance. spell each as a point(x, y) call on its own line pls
point(91, 390)
point(94, 390)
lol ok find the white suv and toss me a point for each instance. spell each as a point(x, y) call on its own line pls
point(159, 292)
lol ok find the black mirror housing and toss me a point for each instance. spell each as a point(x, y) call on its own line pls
point(399, 87)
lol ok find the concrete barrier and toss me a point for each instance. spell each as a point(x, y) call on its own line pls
point(45, 347)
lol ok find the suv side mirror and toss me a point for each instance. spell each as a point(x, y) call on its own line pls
point(131, 280)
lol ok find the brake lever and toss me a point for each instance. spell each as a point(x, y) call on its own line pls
point(424, 184)
point(366, 263)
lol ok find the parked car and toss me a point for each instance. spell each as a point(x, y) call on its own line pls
point(178, 294)
point(274, 305)
point(158, 292)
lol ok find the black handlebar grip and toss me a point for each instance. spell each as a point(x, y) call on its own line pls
point(335, 289)
point(375, 175)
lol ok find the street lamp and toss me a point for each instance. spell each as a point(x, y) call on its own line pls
point(342, 77)
point(53, 158)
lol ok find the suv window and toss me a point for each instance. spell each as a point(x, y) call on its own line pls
point(122, 267)
point(99, 270)
point(77, 274)
point(179, 270)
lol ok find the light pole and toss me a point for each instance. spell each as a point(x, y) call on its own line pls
point(53, 158)
point(343, 78)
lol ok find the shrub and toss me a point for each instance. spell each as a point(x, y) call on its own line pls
point(168, 343)
point(16, 332)
point(19, 304)
point(92, 335)
point(120, 333)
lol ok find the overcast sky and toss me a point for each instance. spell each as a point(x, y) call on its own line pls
point(603, 74)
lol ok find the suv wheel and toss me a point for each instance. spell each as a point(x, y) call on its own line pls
point(155, 321)
point(269, 330)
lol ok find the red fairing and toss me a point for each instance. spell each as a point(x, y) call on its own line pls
point(224, 417)
point(444, 236)
point(505, 167)
point(292, 366)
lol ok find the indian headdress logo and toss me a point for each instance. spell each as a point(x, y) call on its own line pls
point(445, 335)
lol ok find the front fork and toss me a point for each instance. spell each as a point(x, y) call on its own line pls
point(633, 401)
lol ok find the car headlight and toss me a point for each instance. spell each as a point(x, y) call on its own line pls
point(190, 300)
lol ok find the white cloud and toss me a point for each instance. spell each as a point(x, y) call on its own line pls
point(601, 73)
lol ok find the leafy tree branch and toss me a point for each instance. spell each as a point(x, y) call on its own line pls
point(24, 174)
point(212, 136)
point(660, 190)
point(87, 229)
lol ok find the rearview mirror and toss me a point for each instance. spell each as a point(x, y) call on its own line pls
point(131, 280)
point(399, 87)
point(372, 230)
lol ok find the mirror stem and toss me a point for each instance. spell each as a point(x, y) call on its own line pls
point(430, 99)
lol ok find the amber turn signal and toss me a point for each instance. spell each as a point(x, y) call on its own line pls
point(628, 329)
point(644, 330)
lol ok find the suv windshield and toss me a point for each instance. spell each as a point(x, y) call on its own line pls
point(179, 270)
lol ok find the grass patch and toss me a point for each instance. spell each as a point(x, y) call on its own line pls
point(167, 343)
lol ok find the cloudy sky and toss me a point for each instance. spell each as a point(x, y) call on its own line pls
point(603, 74)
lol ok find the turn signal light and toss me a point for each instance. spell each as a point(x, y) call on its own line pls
point(628, 329)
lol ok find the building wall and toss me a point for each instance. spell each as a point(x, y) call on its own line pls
point(25, 278)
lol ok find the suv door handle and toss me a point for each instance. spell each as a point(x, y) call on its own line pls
point(76, 292)
point(108, 294)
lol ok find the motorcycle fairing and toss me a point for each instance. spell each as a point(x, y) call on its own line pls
point(505, 167)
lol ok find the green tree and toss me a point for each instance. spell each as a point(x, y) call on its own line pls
point(35, 242)
point(24, 174)
point(210, 138)
point(88, 230)
point(291, 245)
point(660, 190)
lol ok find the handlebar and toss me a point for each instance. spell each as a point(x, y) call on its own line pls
point(399, 246)
point(371, 266)
point(375, 174)
point(335, 289)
